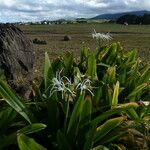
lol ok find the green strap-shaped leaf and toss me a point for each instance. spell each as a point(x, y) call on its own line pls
point(76, 111)
point(68, 62)
point(131, 56)
point(84, 54)
point(136, 91)
point(26, 143)
point(53, 114)
point(110, 76)
point(8, 140)
point(109, 125)
point(145, 75)
point(115, 94)
point(32, 128)
point(112, 54)
point(7, 116)
point(89, 138)
point(134, 74)
point(100, 147)
point(132, 114)
point(62, 141)
point(91, 70)
point(113, 111)
point(14, 101)
point(38, 95)
point(86, 111)
point(102, 54)
point(46, 70)
point(114, 135)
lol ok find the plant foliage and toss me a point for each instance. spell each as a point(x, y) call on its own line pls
point(96, 103)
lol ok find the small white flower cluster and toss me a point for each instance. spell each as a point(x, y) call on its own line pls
point(101, 36)
point(85, 85)
point(58, 84)
point(63, 85)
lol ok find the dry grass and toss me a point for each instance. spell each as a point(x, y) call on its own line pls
point(132, 36)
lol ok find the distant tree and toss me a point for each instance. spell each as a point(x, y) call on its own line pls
point(111, 21)
point(130, 19)
point(81, 21)
point(146, 19)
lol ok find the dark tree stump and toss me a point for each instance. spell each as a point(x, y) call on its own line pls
point(16, 58)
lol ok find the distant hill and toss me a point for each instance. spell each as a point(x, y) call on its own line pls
point(117, 15)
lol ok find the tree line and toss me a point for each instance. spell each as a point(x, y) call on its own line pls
point(134, 19)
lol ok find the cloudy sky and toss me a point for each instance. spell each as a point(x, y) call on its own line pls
point(34, 10)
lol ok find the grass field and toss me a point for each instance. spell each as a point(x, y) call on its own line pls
point(101, 101)
point(132, 36)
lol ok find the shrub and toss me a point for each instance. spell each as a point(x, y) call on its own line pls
point(94, 103)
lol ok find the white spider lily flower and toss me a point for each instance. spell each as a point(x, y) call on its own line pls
point(59, 85)
point(144, 103)
point(101, 36)
point(85, 85)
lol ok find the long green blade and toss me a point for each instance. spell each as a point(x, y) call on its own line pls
point(115, 94)
point(32, 128)
point(113, 111)
point(100, 147)
point(109, 125)
point(91, 70)
point(136, 91)
point(62, 141)
point(26, 143)
point(76, 111)
point(48, 72)
point(14, 101)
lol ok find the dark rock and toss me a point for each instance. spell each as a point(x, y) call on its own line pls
point(16, 58)
point(38, 41)
point(67, 38)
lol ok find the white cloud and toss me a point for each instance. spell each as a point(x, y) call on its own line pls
point(23, 10)
point(8, 3)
